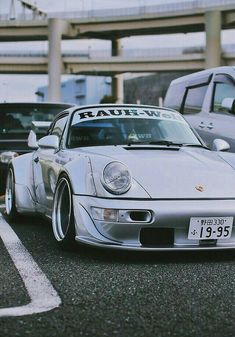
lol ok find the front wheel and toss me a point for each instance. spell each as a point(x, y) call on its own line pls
point(63, 223)
point(10, 201)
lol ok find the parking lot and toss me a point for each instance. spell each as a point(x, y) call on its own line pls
point(117, 161)
point(107, 293)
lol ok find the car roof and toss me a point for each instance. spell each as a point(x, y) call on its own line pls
point(36, 104)
point(113, 105)
point(207, 72)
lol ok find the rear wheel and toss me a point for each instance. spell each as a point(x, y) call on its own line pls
point(63, 223)
point(10, 201)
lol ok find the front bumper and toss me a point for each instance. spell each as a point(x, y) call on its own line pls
point(168, 216)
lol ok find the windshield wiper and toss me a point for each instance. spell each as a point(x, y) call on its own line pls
point(167, 143)
point(156, 142)
point(196, 145)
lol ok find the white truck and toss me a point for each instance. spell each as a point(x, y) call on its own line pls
point(207, 101)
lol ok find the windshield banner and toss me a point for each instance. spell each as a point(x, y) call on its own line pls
point(126, 112)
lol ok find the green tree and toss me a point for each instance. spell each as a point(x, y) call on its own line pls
point(108, 99)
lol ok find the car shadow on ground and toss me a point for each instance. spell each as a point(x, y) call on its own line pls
point(153, 257)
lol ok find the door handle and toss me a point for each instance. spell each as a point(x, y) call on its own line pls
point(210, 126)
point(201, 125)
point(36, 160)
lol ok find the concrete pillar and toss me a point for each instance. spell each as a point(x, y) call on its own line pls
point(117, 80)
point(213, 39)
point(55, 59)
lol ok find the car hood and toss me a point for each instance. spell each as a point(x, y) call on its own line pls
point(174, 173)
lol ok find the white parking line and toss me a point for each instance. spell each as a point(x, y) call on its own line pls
point(41, 292)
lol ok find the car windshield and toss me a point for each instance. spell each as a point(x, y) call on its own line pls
point(126, 126)
point(20, 119)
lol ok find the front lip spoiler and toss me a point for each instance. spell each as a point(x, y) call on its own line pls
point(98, 244)
point(155, 199)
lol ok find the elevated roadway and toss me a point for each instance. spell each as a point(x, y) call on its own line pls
point(187, 16)
point(184, 17)
point(36, 63)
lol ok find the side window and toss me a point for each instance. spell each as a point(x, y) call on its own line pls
point(58, 127)
point(224, 87)
point(194, 99)
point(174, 96)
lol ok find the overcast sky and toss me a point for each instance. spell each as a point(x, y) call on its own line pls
point(23, 87)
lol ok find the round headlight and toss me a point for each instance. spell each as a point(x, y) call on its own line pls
point(116, 178)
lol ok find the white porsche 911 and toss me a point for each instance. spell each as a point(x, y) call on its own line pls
point(127, 176)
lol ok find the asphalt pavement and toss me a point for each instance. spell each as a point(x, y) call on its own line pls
point(117, 293)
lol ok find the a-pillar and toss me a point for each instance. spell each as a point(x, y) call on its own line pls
point(117, 80)
point(213, 39)
point(55, 59)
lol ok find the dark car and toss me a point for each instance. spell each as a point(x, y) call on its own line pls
point(16, 121)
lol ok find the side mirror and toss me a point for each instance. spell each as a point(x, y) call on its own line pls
point(49, 142)
point(32, 140)
point(229, 104)
point(220, 145)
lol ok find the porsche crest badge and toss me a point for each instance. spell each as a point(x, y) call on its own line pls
point(199, 188)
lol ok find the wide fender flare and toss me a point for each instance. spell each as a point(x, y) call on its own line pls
point(85, 177)
point(23, 171)
point(80, 174)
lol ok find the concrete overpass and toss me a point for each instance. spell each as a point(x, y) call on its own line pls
point(112, 24)
point(108, 66)
point(74, 63)
point(200, 15)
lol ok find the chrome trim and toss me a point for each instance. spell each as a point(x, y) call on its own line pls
point(9, 195)
point(62, 207)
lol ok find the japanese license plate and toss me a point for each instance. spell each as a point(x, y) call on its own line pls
point(210, 228)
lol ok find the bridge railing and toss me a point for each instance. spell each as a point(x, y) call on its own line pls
point(143, 8)
point(126, 53)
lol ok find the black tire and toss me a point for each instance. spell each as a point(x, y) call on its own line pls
point(63, 223)
point(10, 199)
